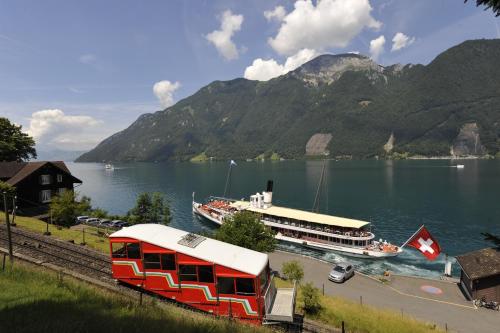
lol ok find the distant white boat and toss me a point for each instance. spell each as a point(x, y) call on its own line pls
point(460, 166)
point(109, 167)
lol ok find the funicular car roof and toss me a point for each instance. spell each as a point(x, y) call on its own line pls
point(225, 254)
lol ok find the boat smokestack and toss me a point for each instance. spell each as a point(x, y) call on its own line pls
point(269, 186)
point(268, 195)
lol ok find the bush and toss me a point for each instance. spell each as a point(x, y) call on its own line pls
point(65, 208)
point(246, 230)
point(292, 270)
point(311, 298)
point(150, 208)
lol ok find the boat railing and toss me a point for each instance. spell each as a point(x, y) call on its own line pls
point(364, 235)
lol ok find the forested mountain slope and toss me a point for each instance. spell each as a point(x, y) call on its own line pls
point(450, 106)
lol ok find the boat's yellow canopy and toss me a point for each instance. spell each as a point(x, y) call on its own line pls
point(302, 215)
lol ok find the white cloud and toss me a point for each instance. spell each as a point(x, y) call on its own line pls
point(88, 58)
point(277, 14)
point(264, 70)
point(53, 128)
point(400, 41)
point(222, 39)
point(377, 47)
point(331, 23)
point(164, 91)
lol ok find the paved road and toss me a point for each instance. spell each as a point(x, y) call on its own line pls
point(445, 305)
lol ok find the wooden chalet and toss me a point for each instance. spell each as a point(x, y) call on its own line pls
point(480, 276)
point(37, 183)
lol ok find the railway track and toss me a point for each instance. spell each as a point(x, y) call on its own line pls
point(96, 265)
point(63, 254)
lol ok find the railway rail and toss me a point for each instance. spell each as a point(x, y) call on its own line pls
point(63, 254)
point(96, 265)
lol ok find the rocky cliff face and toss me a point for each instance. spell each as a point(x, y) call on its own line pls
point(468, 142)
point(327, 69)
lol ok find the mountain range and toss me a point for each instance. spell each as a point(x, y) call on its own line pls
point(342, 105)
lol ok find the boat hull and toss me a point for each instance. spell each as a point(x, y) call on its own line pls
point(349, 251)
point(198, 211)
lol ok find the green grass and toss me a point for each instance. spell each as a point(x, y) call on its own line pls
point(334, 309)
point(35, 300)
point(91, 238)
point(361, 318)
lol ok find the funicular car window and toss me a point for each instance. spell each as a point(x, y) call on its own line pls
point(119, 250)
point(205, 274)
point(168, 262)
point(133, 251)
point(152, 261)
point(225, 285)
point(245, 286)
point(188, 273)
point(263, 279)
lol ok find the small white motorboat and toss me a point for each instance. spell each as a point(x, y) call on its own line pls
point(109, 167)
point(460, 166)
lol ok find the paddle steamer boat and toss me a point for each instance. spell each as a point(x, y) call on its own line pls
point(319, 231)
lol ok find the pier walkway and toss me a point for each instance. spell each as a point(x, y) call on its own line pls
point(434, 301)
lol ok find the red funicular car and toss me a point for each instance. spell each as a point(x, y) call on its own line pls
point(207, 274)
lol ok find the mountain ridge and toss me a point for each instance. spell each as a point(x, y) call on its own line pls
point(359, 103)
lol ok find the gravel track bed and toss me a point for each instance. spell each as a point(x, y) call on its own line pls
point(64, 254)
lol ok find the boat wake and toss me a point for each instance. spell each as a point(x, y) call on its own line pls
point(402, 265)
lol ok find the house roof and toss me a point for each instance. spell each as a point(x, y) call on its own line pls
point(9, 169)
point(14, 172)
point(481, 263)
point(225, 254)
point(302, 215)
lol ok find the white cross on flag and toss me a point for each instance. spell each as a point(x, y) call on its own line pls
point(423, 241)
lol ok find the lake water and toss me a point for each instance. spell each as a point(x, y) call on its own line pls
point(456, 205)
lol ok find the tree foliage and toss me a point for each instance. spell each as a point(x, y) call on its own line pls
point(150, 208)
point(292, 270)
point(246, 230)
point(65, 208)
point(14, 144)
point(10, 191)
point(492, 238)
point(310, 297)
point(493, 4)
point(423, 106)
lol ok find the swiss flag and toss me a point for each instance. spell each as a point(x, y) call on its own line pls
point(425, 243)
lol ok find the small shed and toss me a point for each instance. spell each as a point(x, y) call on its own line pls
point(480, 275)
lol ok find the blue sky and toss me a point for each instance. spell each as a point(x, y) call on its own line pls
point(75, 72)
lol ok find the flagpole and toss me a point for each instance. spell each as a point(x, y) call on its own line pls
point(227, 179)
point(416, 232)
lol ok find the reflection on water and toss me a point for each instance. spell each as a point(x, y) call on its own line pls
point(456, 205)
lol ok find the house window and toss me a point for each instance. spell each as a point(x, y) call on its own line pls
point(61, 190)
point(45, 179)
point(45, 196)
point(59, 178)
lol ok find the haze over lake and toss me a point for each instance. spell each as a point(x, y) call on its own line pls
point(456, 205)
